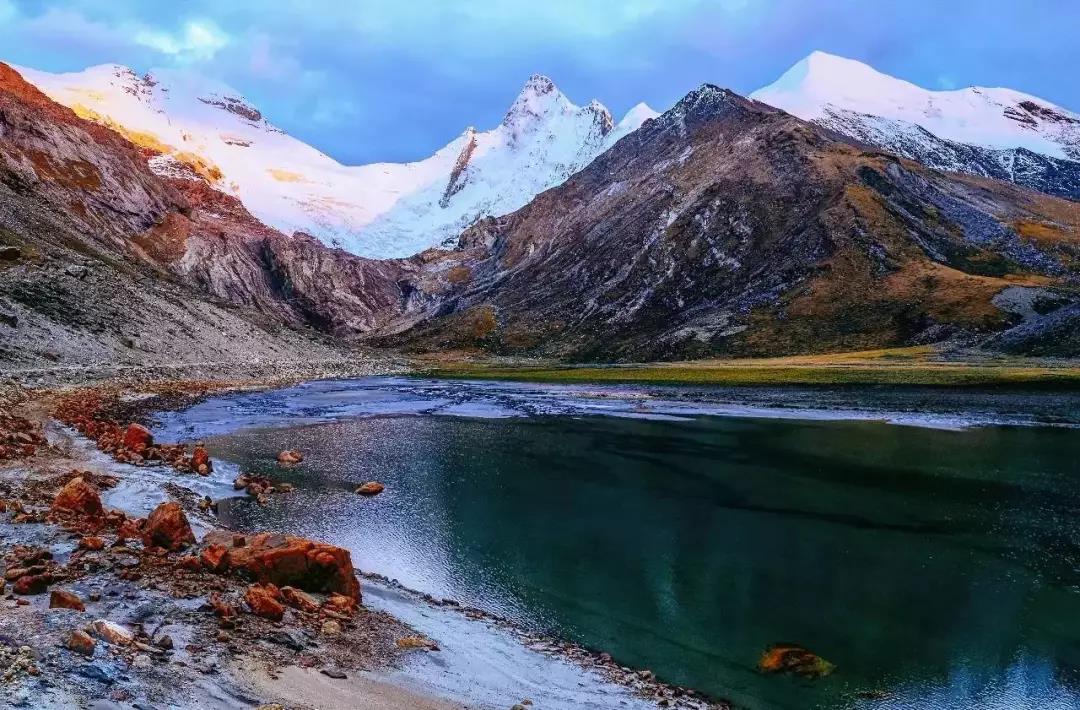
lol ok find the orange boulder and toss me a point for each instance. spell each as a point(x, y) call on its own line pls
point(167, 527)
point(293, 561)
point(79, 498)
point(138, 438)
point(264, 601)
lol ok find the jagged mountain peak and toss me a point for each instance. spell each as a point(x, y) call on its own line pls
point(201, 128)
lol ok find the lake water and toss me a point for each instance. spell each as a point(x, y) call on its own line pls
point(926, 542)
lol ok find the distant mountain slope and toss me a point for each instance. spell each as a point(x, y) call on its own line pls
point(993, 132)
point(728, 227)
point(379, 210)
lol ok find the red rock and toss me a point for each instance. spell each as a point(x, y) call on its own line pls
point(81, 642)
point(290, 456)
point(371, 488)
point(300, 600)
point(138, 438)
point(168, 527)
point(32, 584)
point(91, 543)
point(79, 498)
point(293, 561)
point(263, 601)
point(215, 558)
point(341, 604)
point(60, 599)
point(114, 634)
point(200, 458)
point(190, 563)
point(221, 607)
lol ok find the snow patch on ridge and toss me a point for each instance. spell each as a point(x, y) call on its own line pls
point(377, 210)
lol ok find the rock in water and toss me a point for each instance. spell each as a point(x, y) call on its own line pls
point(790, 658)
point(138, 438)
point(290, 456)
point(79, 498)
point(168, 527)
point(371, 488)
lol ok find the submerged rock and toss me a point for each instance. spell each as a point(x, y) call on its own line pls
point(290, 456)
point(791, 658)
point(371, 488)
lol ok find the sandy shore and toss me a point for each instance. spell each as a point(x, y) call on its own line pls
point(308, 688)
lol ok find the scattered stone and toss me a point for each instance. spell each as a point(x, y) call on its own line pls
point(81, 642)
point(61, 599)
point(330, 628)
point(300, 600)
point(290, 456)
point(91, 543)
point(289, 639)
point(215, 558)
point(78, 498)
point(111, 633)
point(335, 673)
point(264, 601)
point(371, 488)
point(10, 253)
point(164, 642)
point(168, 527)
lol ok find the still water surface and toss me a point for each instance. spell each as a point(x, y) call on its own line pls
point(686, 530)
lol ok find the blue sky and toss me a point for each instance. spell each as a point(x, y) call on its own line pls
point(396, 79)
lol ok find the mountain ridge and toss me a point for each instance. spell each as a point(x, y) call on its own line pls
point(207, 130)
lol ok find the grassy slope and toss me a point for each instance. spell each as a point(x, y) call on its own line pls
point(899, 366)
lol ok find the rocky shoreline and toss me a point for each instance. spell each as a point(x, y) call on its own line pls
point(166, 620)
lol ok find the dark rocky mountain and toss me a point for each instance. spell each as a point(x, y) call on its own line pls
point(727, 227)
point(1054, 176)
point(724, 226)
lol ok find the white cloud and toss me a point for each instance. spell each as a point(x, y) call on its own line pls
point(197, 41)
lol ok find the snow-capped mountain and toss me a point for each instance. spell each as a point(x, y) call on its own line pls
point(994, 132)
point(199, 128)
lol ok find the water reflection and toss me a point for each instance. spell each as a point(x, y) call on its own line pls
point(935, 568)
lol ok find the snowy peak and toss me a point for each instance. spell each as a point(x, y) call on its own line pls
point(636, 116)
point(831, 90)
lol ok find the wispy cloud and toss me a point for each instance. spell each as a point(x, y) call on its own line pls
point(196, 41)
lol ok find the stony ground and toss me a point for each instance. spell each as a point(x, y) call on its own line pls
point(102, 609)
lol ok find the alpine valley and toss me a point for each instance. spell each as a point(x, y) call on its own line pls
point(163, 218)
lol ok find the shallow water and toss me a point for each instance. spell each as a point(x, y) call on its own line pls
point(937, 564)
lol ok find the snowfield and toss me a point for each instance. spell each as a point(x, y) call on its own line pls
point(379, 210)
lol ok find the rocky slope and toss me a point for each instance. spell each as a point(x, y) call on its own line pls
point(724, 226)
point(990, 132)
point(727, 226)
point(199, 128)
point(104, 261)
